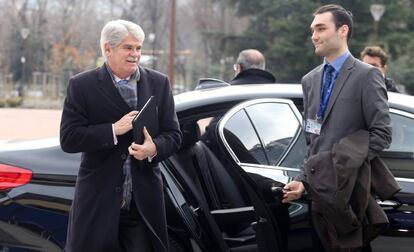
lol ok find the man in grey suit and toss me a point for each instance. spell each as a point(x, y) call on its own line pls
point(341, 96)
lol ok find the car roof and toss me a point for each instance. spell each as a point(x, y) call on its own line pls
point(235, 93)
point(401, 101)
point(205, 97)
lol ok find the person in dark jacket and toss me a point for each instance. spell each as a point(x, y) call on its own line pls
point(377, 57)
point(250, 69)
point(118, 203)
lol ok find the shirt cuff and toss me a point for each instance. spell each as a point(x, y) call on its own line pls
point(151, 158)
point(113, 133)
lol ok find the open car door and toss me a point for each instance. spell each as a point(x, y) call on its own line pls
point(223, 209)
point(265, 137)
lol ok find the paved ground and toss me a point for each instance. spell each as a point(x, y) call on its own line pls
point(16, 124)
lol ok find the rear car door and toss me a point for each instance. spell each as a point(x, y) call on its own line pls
point(276, 141)
point(400, 159)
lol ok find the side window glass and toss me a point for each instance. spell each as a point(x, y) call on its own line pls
point(242, 139)
point(277, 127)
point(296, 155)
point(402, 133)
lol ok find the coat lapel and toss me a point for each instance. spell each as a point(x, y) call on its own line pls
point(314, 94)
point(144, 89)
point(346, 70)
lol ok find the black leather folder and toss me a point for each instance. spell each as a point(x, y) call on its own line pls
point(147, 117)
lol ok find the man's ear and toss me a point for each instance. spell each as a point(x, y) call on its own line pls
point(344, 30)
point(107, 48)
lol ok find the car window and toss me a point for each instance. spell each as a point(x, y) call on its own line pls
point(402, 133)
point(277, 127)
point(243, 140)
point(296, 155)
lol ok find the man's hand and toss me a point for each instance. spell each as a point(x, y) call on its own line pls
point(292, 191)
point(145, 150)
point(124, 124)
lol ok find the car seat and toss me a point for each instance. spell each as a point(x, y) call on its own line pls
point(217, 189)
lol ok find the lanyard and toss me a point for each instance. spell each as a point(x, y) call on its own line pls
point(325, 98)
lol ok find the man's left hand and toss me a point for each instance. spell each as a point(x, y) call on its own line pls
point(145, 150)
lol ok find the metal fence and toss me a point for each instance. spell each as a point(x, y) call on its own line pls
point(43, 84)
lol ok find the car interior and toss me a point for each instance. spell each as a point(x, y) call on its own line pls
point(216, 191)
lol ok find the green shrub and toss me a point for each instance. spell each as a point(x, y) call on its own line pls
point(14, 101)
point(3, 102)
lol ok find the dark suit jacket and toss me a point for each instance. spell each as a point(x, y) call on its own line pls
point(340, 183)
point(391, 85)
point(253, 76)
point(92, 104)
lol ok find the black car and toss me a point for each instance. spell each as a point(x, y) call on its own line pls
point(240, 142)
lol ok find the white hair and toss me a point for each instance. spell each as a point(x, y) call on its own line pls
point(114, 32)
point(251, 58)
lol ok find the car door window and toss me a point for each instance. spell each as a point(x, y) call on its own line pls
point(296, 155)
point(243, 140)
point(402, 133)
point(399, 157)
point(277, 127)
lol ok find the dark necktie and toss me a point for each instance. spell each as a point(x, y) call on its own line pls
point(327, 78)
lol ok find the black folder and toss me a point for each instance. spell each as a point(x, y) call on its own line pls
point(147, 117)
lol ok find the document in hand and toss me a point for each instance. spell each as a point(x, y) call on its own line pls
point(147, 117)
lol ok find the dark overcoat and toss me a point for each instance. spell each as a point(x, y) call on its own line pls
point(253, 76)
point(92, 105)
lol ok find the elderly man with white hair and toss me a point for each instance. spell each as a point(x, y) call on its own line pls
point(118, 203)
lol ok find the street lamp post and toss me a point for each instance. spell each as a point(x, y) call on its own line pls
point(154, 58)
point(171, 61)
point(24, 33)
point(377, 10)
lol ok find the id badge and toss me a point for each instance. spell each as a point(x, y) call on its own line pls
point(313, 126)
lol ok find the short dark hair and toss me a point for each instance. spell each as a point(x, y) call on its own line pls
point(375, 51)
point(341, 16)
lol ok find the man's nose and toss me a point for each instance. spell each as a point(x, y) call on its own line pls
point(135, 52)
point(314, 36)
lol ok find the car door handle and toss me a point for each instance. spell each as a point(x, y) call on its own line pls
point(388, 203)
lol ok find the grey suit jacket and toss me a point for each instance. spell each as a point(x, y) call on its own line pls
point(358, 101)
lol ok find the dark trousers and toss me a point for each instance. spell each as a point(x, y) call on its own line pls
point(319, 238)
point(133, 233)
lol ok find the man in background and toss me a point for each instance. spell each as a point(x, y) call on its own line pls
point(378, 58)
point(250, 69)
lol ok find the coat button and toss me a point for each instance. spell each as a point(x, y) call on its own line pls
point(312, 170)
point(118, 189)
point(124, 156)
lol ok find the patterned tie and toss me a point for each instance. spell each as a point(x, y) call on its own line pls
point(327, 78)
point(127, 92)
